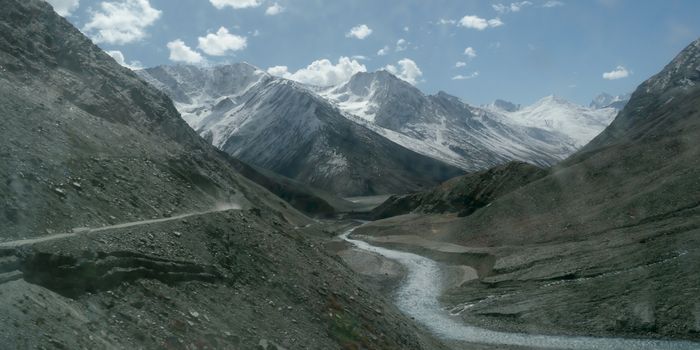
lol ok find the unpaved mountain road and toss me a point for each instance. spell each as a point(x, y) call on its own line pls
point(417, 296)
point(9, 263)
point(85, 230)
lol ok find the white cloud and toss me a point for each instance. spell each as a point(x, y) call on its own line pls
point(500, 8)
point(444, 21)
point(121, 22)
point(495, 22)
point(360, 57)
point(321, 72)
point(64, 7)
point(401, 45)
point(408, 70)
point(236, 4)
point(383, 51)
point(119, 57)
point(406, 29)
point(460, 64)
point(274, 9)
point(470, 52)
point(513, 7)
point(221, 42)
point(478, 23)
point(466, 77)
point(179, 52)
point(279, 71)
point(618, 73)
point(359, 32)
point(553, 3)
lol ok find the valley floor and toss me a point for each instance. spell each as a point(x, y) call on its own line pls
point(459, 292)
point(215, 280)
point(211, 279)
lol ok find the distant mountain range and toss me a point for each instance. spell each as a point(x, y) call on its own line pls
point(377, 132)
point(283, 126)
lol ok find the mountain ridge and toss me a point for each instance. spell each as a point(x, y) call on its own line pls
point(442, 126)
point(285, 127)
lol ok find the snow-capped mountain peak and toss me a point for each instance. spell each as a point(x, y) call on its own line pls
point(557, 114)
point(605, 100)
point(364, 94)
point(443, 126)
point(255, 116)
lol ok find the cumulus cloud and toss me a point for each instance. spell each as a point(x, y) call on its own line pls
point(470, 52)
point(64, 7)
point(401, 45)
point(478, 23)
point(279, 71)
point(236, 4)
point(180, 52)
point(513, 7)
point(460, 64)
point(219, 43)
point(359, 32)
point(321, 72)
point(121, 22)
point(553, 3)
point(618, 73)
point(274, 9)
point(119, 57)
point(383, 51)
point(466, 77)
point(407, 70)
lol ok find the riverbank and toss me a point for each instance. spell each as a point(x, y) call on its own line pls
point(420, 290)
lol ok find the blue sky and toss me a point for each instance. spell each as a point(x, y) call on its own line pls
point(520, 51)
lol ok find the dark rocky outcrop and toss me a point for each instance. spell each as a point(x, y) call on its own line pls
point(463, 194)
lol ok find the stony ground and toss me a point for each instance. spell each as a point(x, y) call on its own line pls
point(214, 281)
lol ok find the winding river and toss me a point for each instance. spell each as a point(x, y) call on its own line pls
point(417, 296)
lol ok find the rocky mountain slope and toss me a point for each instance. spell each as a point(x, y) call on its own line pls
point(446, 128)
point(464, 194)
point(607, 243)
point(87, 143)
point(282, 126)
point(171, 247)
